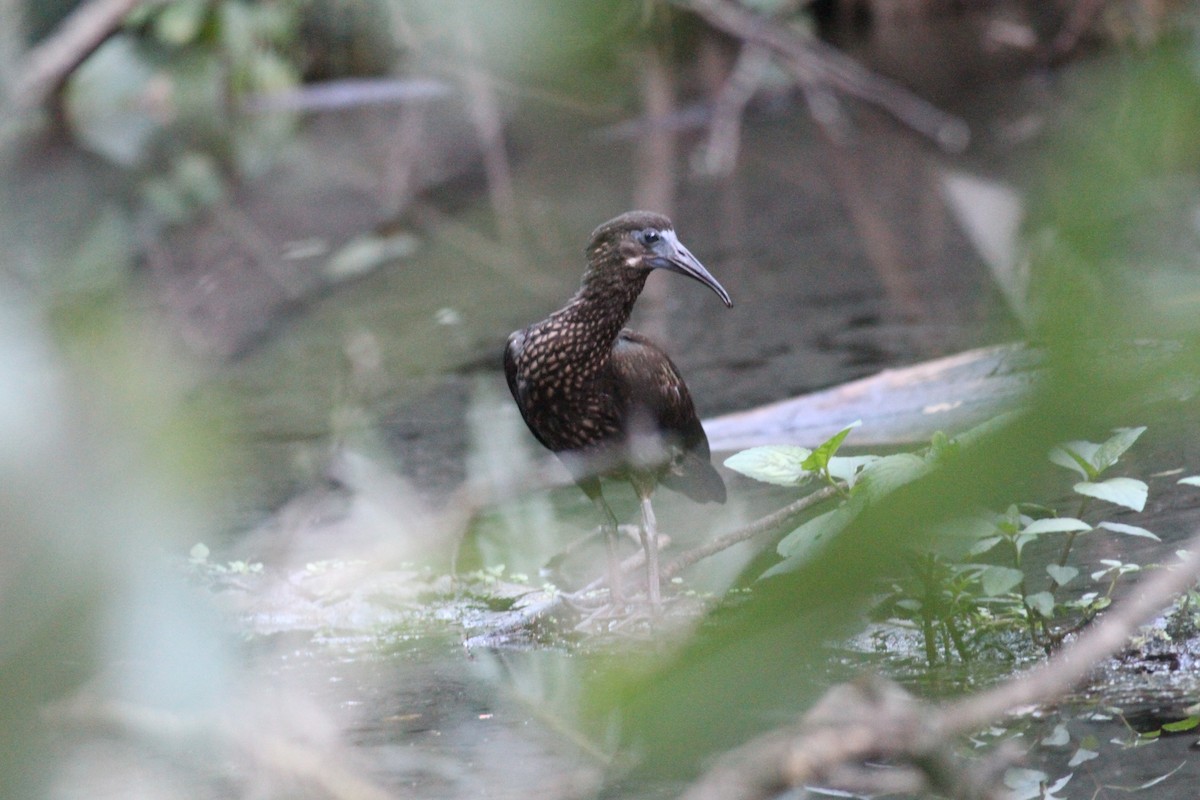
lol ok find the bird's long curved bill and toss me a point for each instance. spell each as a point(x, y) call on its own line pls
point(677, 258)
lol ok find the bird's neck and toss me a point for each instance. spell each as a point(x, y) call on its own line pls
point(604, 302)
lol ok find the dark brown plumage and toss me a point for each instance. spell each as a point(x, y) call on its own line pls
point(606, 400)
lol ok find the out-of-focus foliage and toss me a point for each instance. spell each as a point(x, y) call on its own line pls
point(98, 472)
point(176, 79)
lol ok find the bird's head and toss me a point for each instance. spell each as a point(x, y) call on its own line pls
point(640, 241)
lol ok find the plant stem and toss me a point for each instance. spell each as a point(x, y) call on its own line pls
point(929, 634)
point(955, 636)
point(1062, 559)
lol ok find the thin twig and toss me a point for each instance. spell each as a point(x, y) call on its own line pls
point(718, 155)
point(770, 523)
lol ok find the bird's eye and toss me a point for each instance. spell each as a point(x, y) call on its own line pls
point(649, 237)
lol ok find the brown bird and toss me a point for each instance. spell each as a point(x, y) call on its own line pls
point(607, 400)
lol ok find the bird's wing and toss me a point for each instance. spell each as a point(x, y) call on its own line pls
point(653, 387)
point(520, 393)
point(511, 349)
point(654, 394)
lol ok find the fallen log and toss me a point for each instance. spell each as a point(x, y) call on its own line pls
point(897, 406)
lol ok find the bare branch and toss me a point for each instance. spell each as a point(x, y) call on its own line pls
point(771, 522)
point(718, 154)
point(815, 63)
point(48, 65)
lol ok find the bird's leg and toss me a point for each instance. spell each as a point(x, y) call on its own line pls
point(649, 534)
point(612, 535)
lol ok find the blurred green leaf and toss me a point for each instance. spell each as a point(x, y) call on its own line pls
point(997, 580)
point(984, 545)
point(877, 481)
point(108, 105)
point(1061, 575)
point(1042, 603)
point(180, 22)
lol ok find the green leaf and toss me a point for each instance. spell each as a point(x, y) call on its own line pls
point(237, 30)
point(1090, 459)
point(1075, 456)
point(819, 458)
point(962, 537)
point(776, 464)
point(1127, 492)
point(1042, 603)
point(1082, 755)
point(884, 475)
point(1055, 525)
point(1182, 725)
point(1128, 530)
point(1025, 784)
point(1061, 575)
point(848, 468)
point(940, 446)
point(998, 580)
point(1020, 540)
point(1111, 451)
point(1058, 737)
point(1010, 521)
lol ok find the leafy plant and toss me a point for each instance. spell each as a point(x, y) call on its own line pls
point(973, 582)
